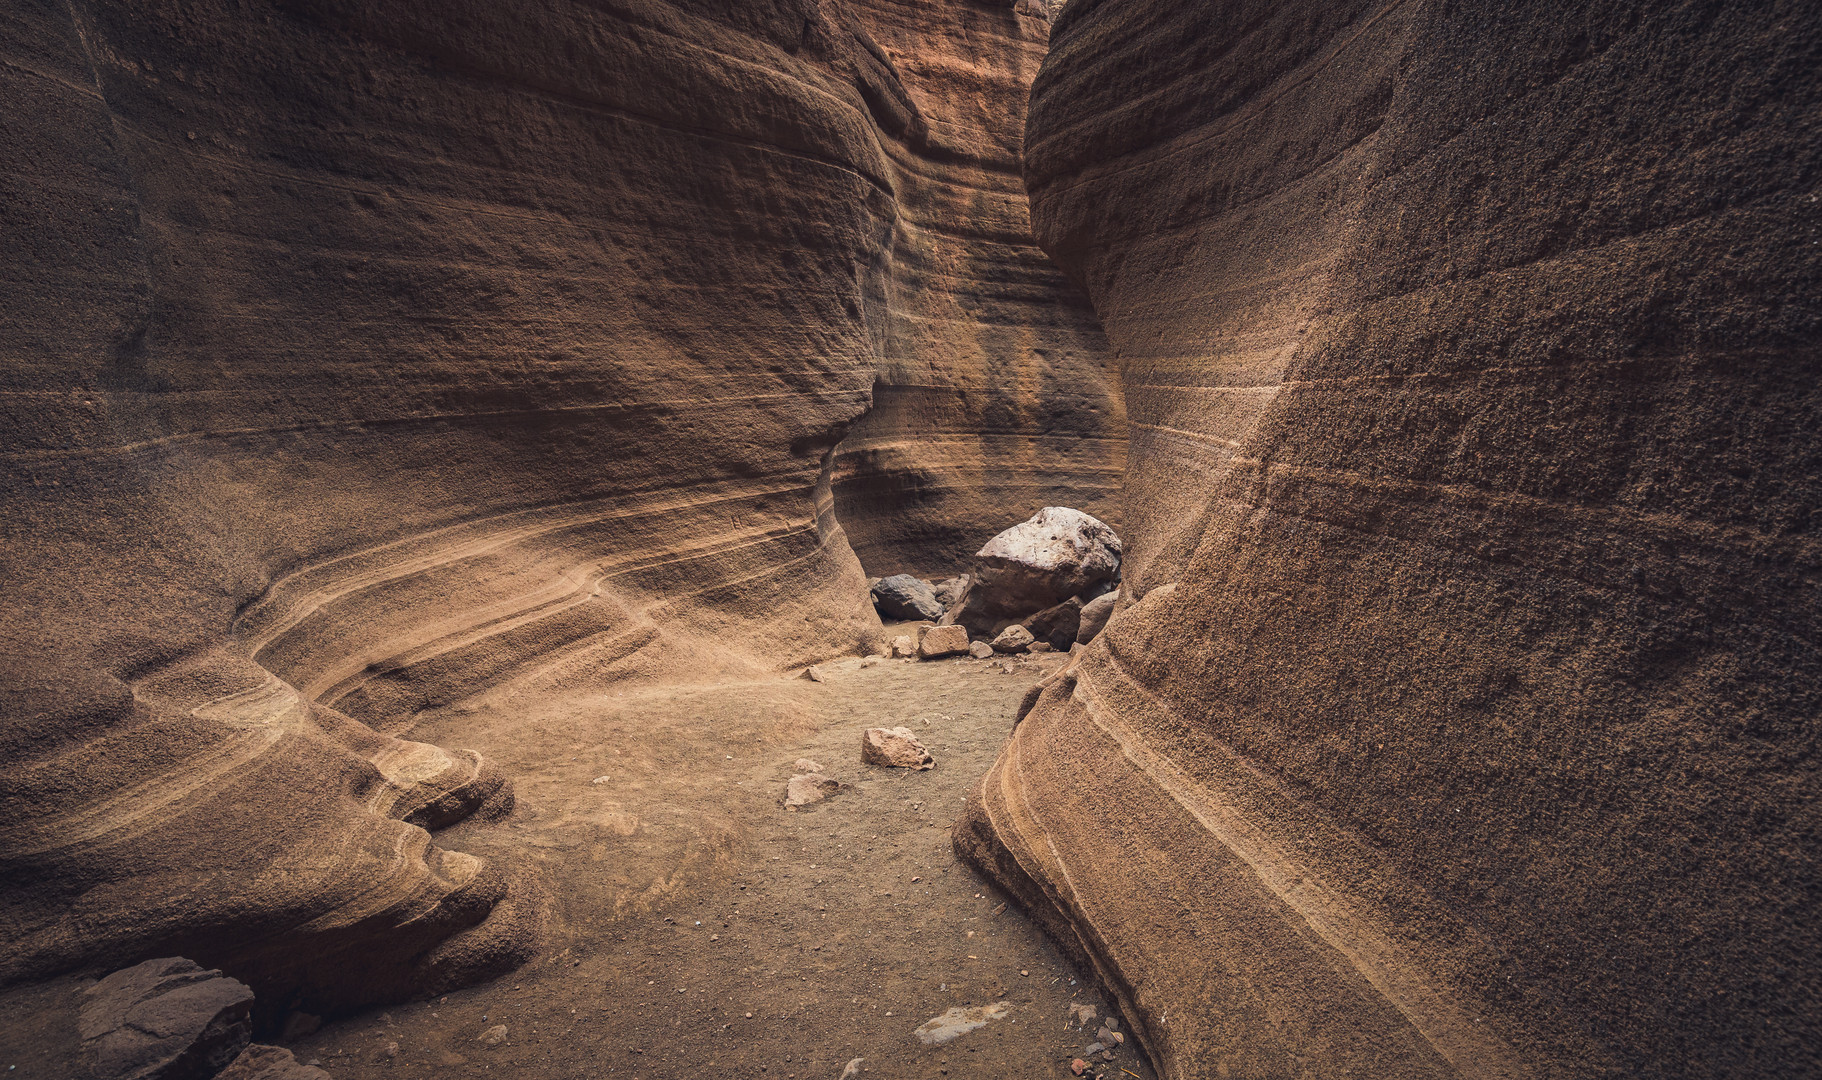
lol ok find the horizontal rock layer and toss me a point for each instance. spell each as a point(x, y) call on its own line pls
point(364, 359)
point(1458, 717)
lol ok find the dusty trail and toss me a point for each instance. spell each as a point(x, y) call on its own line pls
point(699, 928)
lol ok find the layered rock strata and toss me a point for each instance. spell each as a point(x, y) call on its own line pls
point(365, 359)
point(995, 395)
point(1458, 717)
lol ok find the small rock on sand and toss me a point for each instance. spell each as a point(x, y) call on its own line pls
point(852, 1070)
point(959, 1021)
point(903, 646)
point(980, 650)
point(1082, 1014)
point(895, 748)
point(493, 1036)
point(1013, 639)
point(813, 673)
point(1078, 1066)
point(809, 788)
point(804, 764)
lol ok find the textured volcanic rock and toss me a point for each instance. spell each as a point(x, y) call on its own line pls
point(1471, 359)
point(367, 358)
point(995, 394)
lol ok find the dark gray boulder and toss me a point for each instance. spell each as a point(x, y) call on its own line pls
point(903, 597)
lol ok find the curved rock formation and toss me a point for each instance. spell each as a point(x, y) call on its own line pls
point(995, 394)
point(367, 358)
point(1459, 715)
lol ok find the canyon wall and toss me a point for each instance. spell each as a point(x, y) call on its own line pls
point(1461, 716)
point(368, 359)
point(995, 395)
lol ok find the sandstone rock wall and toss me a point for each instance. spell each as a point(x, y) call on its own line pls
point(1464, 722)
point(995, 396)
point(362, 359)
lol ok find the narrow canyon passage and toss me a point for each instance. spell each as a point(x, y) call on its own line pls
point(435, 438)
point(698, 928)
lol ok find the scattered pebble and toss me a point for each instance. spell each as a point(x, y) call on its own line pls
point(493, 1036)
point(1078, 1066)
point(852, 1070)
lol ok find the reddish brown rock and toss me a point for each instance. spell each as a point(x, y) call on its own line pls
point(940, 641)
point(258, 1062)
point(895, 748)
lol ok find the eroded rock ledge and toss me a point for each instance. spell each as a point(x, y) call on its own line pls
point(1461, 717)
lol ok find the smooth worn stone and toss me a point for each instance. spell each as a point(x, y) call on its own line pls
point(904, 597)
point(164, 1019)
point(894, 747)
point(980, 650)
point(1094, 616)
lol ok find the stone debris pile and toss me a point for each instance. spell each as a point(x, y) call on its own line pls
point(1097, 1056)
point(1046, 584)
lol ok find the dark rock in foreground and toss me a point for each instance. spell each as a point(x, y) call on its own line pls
point(166, 1019)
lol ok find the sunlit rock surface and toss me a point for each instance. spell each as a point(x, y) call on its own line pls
point(368, 359)
point(1458, 715)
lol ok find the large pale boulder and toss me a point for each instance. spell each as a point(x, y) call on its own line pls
point(1057, 554)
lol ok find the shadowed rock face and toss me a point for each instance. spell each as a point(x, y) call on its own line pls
point(995, 395)
point(363, 359)
point(1459, 715)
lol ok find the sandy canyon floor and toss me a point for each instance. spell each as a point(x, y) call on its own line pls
point(698, 928)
